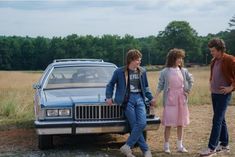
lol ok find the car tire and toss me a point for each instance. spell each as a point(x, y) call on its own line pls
point(45, 142)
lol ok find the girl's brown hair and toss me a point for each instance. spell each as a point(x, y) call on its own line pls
point(132, 55)
point(173, 55)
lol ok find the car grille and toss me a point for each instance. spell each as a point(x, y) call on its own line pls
point(98, 112)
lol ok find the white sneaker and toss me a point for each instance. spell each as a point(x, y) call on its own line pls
point(167, 148)
point(208, 152)
point(126, 150)
point(148, 154)
point(220, 148)
point(182, 150)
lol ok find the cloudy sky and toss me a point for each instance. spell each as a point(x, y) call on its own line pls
point(139, 18)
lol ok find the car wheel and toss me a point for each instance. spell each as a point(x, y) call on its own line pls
point(45, 141)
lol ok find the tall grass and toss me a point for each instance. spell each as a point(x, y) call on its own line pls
point(16, 95)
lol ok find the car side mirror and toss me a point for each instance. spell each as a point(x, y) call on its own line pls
point(36, 86)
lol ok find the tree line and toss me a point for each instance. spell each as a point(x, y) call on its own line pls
point(27, 53)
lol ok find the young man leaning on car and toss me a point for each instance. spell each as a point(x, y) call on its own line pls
point(131, 89)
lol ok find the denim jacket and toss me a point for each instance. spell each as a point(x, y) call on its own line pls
point(164, 85)
point(119, 79)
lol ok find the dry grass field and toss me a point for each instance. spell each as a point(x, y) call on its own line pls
point(16, 96)
point(16, 108)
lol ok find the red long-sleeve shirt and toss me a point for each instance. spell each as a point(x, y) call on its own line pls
point(227, 68)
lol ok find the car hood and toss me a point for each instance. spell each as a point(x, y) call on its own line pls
point(76, 95)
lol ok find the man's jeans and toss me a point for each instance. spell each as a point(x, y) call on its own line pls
point(219, 130)
point(136, 115)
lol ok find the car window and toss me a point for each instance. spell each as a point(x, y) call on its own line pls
point(67, 77)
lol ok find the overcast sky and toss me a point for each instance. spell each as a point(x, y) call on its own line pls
point(139, 18)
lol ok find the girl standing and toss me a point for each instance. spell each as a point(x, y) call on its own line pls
point(176, 83)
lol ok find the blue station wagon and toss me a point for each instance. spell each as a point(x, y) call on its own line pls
point(70, 99)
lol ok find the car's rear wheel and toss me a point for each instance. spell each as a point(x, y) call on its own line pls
point(45, 141)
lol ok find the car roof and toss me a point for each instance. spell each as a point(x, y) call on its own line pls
point(80, 62)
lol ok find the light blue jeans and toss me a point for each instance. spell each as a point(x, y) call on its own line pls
point(136, 115)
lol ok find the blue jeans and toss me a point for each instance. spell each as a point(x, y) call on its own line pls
point(219, 130)
point(135, 113)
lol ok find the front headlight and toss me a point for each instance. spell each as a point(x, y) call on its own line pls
point(52, 112)
point(64, 112)
point(58, 112)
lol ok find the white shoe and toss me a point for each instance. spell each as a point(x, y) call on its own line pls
point(208, 152)
point(148, 154)
point(182, 150)
point(220, 148)
point(126, 150)
point(167, 148)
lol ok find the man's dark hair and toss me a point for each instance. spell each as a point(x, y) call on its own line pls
point(218, 44)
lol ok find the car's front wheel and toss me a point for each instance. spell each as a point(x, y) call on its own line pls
point(45, 141)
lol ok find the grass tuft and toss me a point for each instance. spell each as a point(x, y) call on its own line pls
point(8, 108)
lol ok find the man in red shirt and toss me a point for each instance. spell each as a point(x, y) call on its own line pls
point(222, 83)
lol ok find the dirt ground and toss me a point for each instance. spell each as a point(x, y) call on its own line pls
point(23, 142)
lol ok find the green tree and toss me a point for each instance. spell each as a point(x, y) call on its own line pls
point(230, 37)
point(41, 52)
point(232, 23)
point(108, 46)
point(56, 48)
point(126, 43)
point(15, 50)
point(149, 50)
point(27, 50)
point(5, 55)
point(72, 46)
point(179, 34)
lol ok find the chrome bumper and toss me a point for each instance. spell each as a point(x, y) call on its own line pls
point(87, 127)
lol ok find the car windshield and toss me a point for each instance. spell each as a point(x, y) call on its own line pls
point(69, 77)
